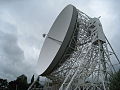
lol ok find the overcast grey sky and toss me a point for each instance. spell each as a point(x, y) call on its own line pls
point(22, 23)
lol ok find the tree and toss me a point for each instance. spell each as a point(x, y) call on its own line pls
point(19, 84)
point(32, 79)
point(37, 83)
point(3, 84)
point(115, 81)
point(22, 82)
point(12, 85)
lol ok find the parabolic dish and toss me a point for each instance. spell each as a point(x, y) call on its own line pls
point(57, 40)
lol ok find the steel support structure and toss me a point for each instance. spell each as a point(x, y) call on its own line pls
point(88, 63)
point(89, 66)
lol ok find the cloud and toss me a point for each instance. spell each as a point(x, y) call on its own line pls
point(11, 55)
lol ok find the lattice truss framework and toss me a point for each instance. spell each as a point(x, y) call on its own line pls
point(91, 61)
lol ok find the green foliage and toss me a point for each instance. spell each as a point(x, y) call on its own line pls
point(32, 79)
point(12, 85)
point(3, 84)
point(19, 84)
point(37, 83)
point(22, 82)
point(115, 81)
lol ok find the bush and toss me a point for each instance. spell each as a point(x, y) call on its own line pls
point(115, 81)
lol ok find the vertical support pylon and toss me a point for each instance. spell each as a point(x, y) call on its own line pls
point(103, 63)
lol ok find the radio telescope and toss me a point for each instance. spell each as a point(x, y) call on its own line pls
point(76, 54)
